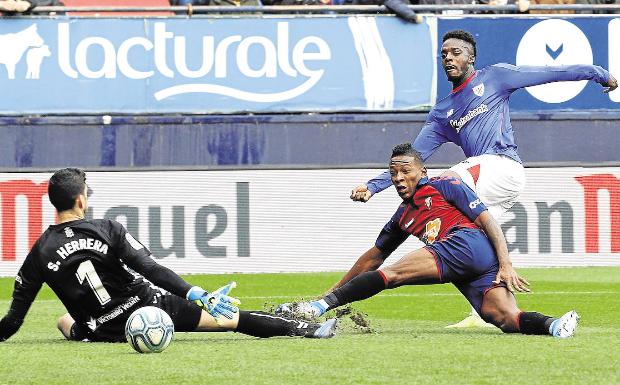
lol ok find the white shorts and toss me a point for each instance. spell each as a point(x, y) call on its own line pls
point(497, 179)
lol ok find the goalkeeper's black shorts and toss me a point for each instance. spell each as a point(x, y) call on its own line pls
point(184, 314)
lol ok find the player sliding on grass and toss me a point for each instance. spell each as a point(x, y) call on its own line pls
point(464, 245)
point(96, 269)
point(475, 116)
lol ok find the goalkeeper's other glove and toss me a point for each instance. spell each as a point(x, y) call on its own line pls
point(216, 303)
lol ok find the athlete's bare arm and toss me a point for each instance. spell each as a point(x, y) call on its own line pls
point(361, 193)
point(507, 273)
point(370, 260)
point(611, 85)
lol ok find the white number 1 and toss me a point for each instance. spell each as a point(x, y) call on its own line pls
point(86, 270)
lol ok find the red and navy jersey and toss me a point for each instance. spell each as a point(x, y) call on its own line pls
point(438, 207)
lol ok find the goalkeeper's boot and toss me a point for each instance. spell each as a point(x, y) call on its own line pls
point(305, 310)
point(325, 330)
point(565, 326)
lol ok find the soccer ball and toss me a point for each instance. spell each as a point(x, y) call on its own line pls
point(149, 330)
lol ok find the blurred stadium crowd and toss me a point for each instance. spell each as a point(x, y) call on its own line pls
point(15, 7)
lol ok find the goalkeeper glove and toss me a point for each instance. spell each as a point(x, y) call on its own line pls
point(216, 303)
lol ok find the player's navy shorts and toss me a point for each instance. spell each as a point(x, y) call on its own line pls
point(467, 259)
point(184, 314)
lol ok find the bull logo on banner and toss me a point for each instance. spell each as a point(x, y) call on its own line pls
point(13, 46)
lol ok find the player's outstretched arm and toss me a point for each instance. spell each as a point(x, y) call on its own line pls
point(611, 84)
point(507, 273)
point(14, 319)
point(364, 192)
point(8, 327)
point(516, 77)
point(217, 303)
point(369, 261)
point(361, 193)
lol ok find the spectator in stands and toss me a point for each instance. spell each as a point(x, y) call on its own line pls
point(523, 4)
point(25, 6)
point(598, 2)
point(14, 6)
point(399, 7)
point(551, 2)
point(233, 3)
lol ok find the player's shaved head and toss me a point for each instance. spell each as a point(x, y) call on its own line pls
point(463, 36)
point(405, 149)
point(65, 186)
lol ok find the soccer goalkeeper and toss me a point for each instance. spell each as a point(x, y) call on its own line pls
point(97, 269)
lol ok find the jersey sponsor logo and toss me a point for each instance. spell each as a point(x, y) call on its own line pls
point(133, 242)
point(120, 309)
point(81, 244)
point(479, 89)
point(92, 324)
point(474, 204)
point(431, 231)
point(428, 202)
point(554, 42)
point(68, 232)
point(458, 124)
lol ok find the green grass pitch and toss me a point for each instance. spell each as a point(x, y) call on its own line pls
point(408, 345)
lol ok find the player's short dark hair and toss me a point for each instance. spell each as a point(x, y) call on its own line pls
point(65, 186)
point(461, 35)
point(407, 150)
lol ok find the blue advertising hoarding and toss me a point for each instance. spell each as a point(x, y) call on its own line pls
point(282, 64)
point(546, 42)
point(215, 65)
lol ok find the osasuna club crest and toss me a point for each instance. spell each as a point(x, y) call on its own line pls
point(479, 89)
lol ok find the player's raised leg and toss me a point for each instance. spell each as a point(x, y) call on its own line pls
point(498, 181)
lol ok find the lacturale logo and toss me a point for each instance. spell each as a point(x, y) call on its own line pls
point(258, 68)
point(28, 42)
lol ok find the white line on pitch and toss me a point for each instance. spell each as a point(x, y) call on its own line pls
point(393, 295)
point(436, 294)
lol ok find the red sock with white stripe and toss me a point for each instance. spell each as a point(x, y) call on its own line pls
point(359, 288)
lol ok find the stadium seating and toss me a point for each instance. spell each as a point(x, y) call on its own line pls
point(118, 3)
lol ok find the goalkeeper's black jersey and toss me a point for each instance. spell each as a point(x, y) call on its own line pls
point(91, 265)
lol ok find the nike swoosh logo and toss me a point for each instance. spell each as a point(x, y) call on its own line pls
point(409, 223)
point(555, 53)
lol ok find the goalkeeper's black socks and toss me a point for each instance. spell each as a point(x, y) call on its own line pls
point(359, 288)
point(534, 323)
point(261, 324)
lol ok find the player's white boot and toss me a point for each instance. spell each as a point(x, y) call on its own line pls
point(473, 320)
point(565, 326)
point(327, 329)
point(306, 310)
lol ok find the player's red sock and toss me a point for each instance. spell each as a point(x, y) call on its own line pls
point(359, 288)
